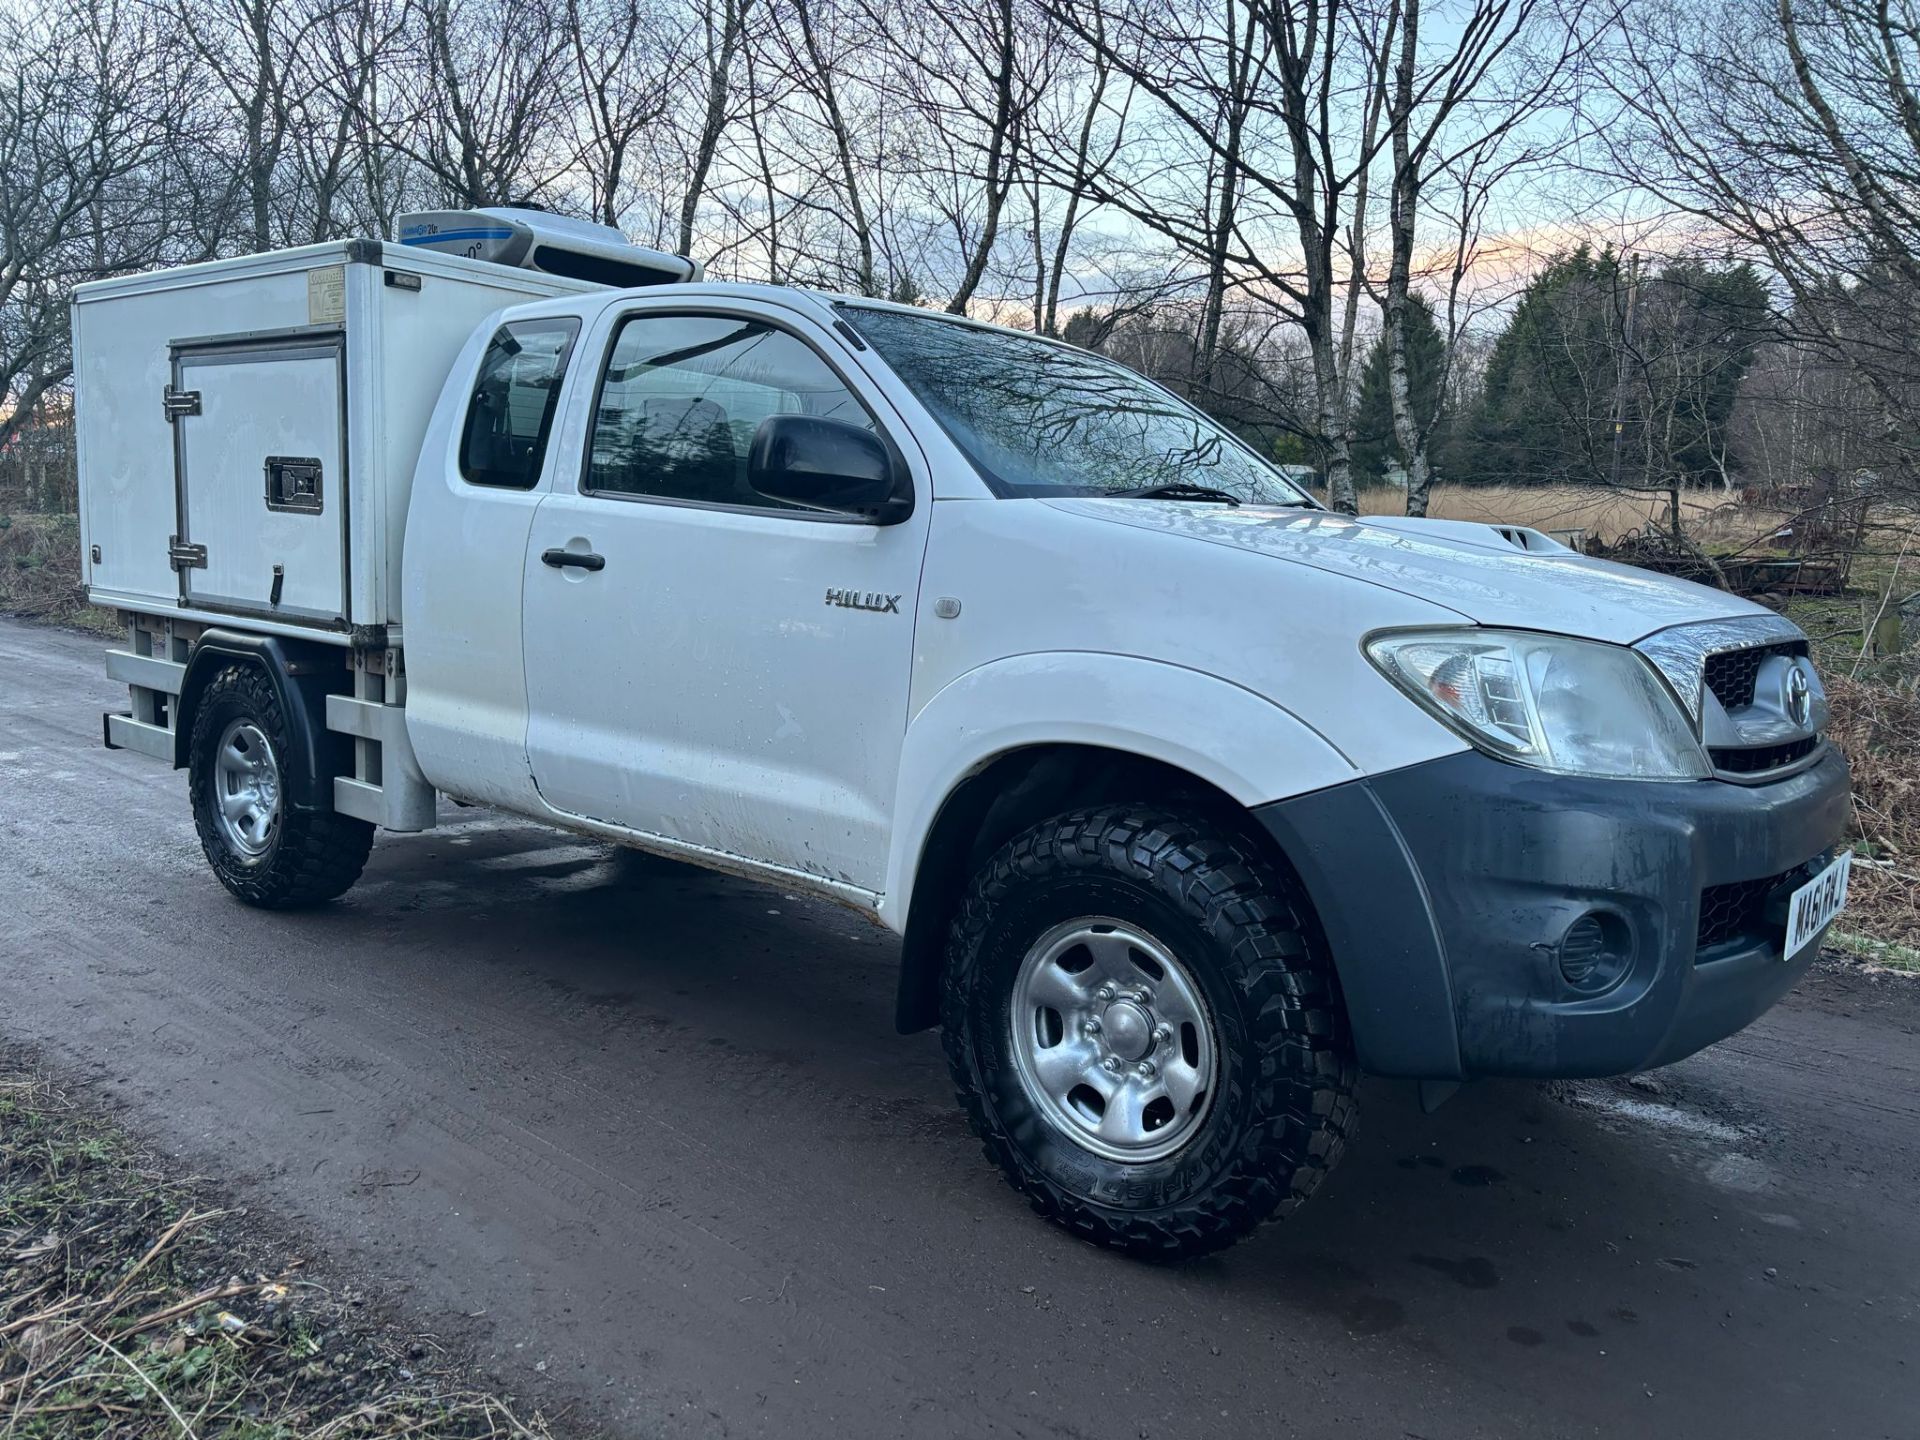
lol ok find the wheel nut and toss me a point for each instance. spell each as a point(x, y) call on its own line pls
point(1111, 1064)
point(1105, 992)
point(1090, 1029)
point(1163, 1037)
point(1146, 1070)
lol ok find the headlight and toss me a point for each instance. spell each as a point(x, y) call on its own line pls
point(1579, 707)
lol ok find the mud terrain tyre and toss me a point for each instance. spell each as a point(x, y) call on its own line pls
point(1111, 964)
point(264, 852)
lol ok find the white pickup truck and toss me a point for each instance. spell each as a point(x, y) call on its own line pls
point(1191, 800)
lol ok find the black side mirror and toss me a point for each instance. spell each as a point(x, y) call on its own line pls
point(829, 465)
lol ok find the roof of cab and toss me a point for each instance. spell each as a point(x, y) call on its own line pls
point(821, 304)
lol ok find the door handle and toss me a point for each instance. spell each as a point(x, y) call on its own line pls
point(579, 559)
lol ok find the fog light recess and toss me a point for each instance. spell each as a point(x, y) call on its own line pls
point(1594, 952)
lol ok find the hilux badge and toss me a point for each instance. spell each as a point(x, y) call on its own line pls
point(1799, 695)
point(864, 600)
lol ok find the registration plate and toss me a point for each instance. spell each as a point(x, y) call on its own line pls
point(1815, 904)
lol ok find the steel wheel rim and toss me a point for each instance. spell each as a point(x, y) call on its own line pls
point(1112, 1040)
point(246, 788)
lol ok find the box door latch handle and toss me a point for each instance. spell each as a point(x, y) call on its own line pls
point(184, 555)
point(294, 483)
point(177, 404)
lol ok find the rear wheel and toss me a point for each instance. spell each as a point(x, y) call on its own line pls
point(1145, 1031)
point(266, 853)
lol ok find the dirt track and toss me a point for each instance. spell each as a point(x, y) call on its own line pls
point(657, 1127)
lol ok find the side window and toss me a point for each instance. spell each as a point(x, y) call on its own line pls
point(511, 411)
point(683, 396)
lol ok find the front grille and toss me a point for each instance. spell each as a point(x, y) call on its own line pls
point(1731, 673)
point(1739, 910)
point(1762, 758)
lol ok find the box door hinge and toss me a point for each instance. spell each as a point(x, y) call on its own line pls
point(179, 403)
point(183, 555)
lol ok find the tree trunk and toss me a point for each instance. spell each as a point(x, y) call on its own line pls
point(1050, 324)
point(1408, 433)
point(714, 121)
point(1357, 226)
point(260, 159)
point(998, 178)
point(1221, 221)
point(1330, 396)
point(865, 280)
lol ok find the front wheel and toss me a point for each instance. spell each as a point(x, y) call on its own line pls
point(1145, 1030)
point(263, 851)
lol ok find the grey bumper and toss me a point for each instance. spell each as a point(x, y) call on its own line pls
point(1445, 889)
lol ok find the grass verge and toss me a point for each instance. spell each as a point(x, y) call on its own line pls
point(133, 1304)
point(40, 573)
point(1880, 954)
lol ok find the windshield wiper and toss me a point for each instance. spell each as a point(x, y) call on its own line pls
point(1174, 491)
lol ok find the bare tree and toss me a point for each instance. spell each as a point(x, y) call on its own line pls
point(624, 53)
point(1090, 156)
point(496, 80)
point(722, 27)
point(250, 51)
point(1791, 128)
point(86, 100)
point(1802, 411)
point(815, 41)
point(971, 74)
point(1194, 173)
point(1454, 107)
point(364, 180)
point(345, 50)
point(1298, 75)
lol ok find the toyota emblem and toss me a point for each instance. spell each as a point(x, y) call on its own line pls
point(1799, 696)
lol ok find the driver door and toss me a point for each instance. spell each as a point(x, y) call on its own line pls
point(696, 679)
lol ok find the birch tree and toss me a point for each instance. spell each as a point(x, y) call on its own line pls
point(1455, 108)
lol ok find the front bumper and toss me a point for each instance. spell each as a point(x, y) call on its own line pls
point(1445, 889)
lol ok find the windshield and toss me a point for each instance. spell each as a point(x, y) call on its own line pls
point(1041, 418)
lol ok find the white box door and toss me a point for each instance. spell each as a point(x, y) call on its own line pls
point(262, 478)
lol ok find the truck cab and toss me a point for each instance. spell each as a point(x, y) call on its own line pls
point(1189, 799)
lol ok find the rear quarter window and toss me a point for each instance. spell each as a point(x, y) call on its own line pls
point(510, 413)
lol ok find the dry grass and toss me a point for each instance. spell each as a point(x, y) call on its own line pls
point(40, 572)
point(1711, 517)
point(1877, 724)
point(132, 1305)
